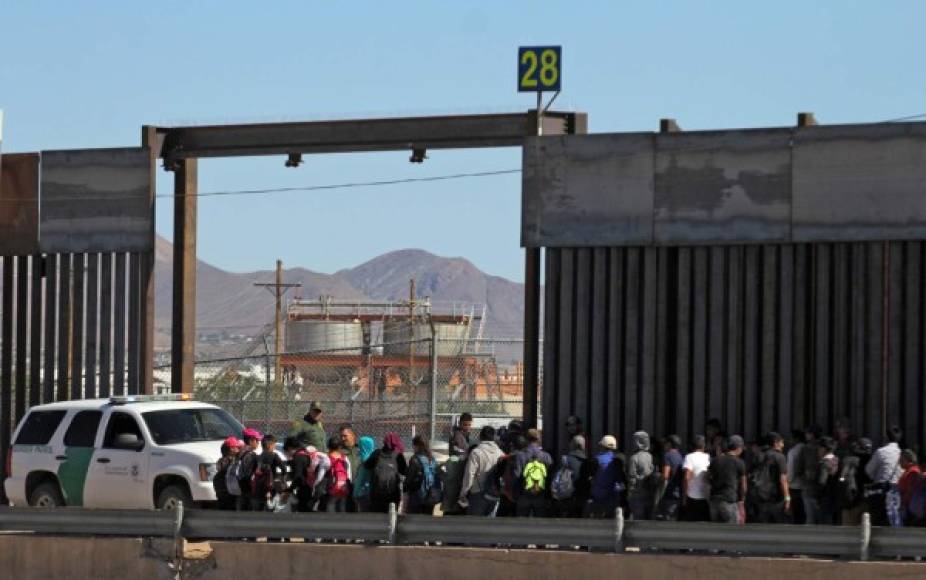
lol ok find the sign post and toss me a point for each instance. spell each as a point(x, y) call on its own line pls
point(540, 69)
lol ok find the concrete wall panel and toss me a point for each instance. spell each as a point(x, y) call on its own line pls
point(19, 204)
point(725, 186)
point(860, 182)
point(96, 200)
point(588, 190)
point(807, 184)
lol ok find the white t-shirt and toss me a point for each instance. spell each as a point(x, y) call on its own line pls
point(697, 463)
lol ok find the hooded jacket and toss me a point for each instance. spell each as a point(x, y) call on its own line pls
point(639, 466)
point(479, 465)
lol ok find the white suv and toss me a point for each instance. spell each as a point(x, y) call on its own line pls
point(124, 452)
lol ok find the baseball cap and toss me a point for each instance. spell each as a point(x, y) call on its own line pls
point(315, 406)
point(252, 434)
point(233, 442)
point(608, 442)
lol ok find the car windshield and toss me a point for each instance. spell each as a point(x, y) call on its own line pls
point(186, 425)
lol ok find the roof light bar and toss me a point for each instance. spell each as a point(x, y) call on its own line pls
point(125, 399)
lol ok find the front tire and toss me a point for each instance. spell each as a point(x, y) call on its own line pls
point(172, 495)
point(46, 495)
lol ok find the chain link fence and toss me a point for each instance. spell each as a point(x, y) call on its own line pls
point(414, 387)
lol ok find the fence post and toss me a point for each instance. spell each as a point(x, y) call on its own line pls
point(393, 522)
point(866, 536)
point(433, 397)
point(618, 530)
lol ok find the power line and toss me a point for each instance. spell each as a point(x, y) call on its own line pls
point(272, 190)
point(353, 184)
point(907, 118)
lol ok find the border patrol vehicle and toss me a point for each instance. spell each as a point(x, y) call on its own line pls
point(137, 452)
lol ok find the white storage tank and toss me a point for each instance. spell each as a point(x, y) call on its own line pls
point(452, 338)
point(322, 335)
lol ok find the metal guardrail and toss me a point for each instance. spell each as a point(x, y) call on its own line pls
point(217, 524)
point(860, 542)
point(76, 521)
point(889, 543)
point(475, 531)
point(838, 541)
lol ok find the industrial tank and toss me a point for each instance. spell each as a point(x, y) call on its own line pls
point(319, 335)
point(451, 338)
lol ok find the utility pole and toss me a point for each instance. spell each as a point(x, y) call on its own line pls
point(278, 288)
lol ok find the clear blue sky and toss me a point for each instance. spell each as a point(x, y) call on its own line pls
point(89, 74)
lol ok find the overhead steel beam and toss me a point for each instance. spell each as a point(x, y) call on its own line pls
point(361, 135)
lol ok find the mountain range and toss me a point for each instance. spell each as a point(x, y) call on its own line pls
point(228, 302)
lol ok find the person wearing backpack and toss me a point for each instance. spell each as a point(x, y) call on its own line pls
point(828, 481)
point(768, 499)
point(267, 475)
point(309, 467)
point(852, 482)
point(230, 448)
point(423, 486)
point(299, 462)
point(240, 472)
point(338, 480)
point(387, 466)
point(916, 510)
point(642, 478)
point(531, 469)
point(364, 477)
point(608, 480)
point(912, 474)
point(477, 493)
point(569, 488)
point(508, 484)
point(669, 494)
point(808, 466)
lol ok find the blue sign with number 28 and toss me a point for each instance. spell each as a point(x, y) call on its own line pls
point(540, 68)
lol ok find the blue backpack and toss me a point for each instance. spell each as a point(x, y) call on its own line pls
point(431, 486)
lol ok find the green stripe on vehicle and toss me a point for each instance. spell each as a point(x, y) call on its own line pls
point(72, 473)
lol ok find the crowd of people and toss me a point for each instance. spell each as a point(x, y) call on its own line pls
point(813, 478)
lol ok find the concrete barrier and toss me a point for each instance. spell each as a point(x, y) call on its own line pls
point(280, 561)
point(29, 557)
point(48, 558)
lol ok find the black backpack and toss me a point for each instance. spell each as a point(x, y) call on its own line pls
point(763, 486)
point(385, 476)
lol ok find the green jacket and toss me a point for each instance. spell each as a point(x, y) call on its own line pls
point(310, 434)
point(353, 455)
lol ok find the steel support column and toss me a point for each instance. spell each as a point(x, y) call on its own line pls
point(183, 337)
point(150, 140)
point(531, 335)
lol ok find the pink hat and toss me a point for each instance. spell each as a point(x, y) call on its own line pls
point(233, 442)
point(252, 434)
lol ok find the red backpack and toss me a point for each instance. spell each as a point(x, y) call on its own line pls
point(339, 483)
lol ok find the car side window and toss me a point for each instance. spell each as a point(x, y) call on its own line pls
point(39, 427)
point(83, 428)
point(120, 423)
